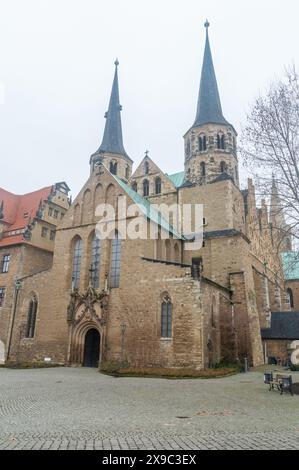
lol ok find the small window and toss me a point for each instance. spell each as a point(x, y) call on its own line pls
point(202, 168)
point(290, 297)
point(146, 168)
point(202, 143)
point(31, 318)
point(2, 295)
point(145, 188)
point(220, 142)
point(52, 235)
point(50, 211)
point(55, 214)
point(5, 263)
point(196, 268)
point(223, 167)
point(166, 317)
point(113, 168)
point(134, 187)
point(127, 172)
point(158, 185)
point(45, 232)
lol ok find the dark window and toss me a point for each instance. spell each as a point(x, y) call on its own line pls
point(166, 318)
point(202, 168)
point(220, 141)
point(291, 297)
point(146, 168)
point(202, 143)
point(127, 172)
point(95, 261)
point(52, 235)
point(77, 255)
point(115, 261)
point(196, 268)
point(158, 185)
point(50, 211)
point(5, 263)
point(45, 232)
point(145, 188)
point(31, 319)
point(134, 187)
point(113, 168)
point(55, 214)
point(2, 295)
point(222, 167)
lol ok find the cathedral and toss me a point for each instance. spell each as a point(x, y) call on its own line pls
point(73, 297)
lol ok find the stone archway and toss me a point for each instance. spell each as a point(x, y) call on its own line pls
point(91, 353)
point(2, 352)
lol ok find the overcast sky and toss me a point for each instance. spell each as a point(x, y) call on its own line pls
point(56, 68)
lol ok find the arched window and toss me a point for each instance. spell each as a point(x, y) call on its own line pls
point(291, 297)
point(115, 261)
point(223, 167)
point(95, 261)
point(31, 318)
point(146, 168)
point(202, 168)
point(166, 317)
point(158, 185)
point(113, 168)
point(202, 143)
point(145, 188)
point(134, 187)
point(77, 255)
point(220, 141)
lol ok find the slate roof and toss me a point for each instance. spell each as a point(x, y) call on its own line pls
point(284, 325)
point(209, 108)
point(222, 177)
point(113, 139)
point(290, 262)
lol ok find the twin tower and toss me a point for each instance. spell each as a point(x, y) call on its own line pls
point(210, 143)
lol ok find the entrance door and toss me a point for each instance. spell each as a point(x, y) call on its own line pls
point(91, 349)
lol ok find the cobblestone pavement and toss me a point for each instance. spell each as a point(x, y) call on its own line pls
point(68, 408)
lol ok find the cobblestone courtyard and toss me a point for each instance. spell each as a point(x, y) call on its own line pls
point(65, 408)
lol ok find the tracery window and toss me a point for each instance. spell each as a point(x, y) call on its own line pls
point(95, 261)
point(31, 318)
point(77, 255)
point(145, 188)
point(166, 317)
point(115, 261)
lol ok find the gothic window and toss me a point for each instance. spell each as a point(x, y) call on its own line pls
point(145, 188)
point(158, 185)
point(77, 255)
point(290, 297)
point(202, 143)
point(166, 317)
point(223, 167)
point(220, 141)
point(134, 187)
point(113, 168)
point(115, 261)
point(2, 295)
point(95, 261)
point(202, 168)
point(146, 168)
point(31, 318)
point(5, 263)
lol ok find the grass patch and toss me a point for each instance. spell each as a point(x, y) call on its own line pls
point(155, 372)
point(29, 365)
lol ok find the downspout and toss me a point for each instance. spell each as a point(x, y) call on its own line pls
point(16, 296)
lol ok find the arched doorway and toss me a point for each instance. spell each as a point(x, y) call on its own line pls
point(91, 348)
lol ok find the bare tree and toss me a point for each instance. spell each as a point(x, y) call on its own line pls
point(270, 147)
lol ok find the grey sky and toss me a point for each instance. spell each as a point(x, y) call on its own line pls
point(56, 62)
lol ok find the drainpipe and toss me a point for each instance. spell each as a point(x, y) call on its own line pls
point(16, 296)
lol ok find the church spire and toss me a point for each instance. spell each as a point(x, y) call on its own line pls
point(113, 140)
point(209, 105)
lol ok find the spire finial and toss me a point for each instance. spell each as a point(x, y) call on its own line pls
point(146, 153)
point(116, 63)
point(207, 24)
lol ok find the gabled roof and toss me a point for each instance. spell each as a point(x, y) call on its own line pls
point(177, 178)
point(284, 325)
point(290, 262)
point(147, 209)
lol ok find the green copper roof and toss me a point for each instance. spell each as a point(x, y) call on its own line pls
point(147, 209)
point(177, 178)
point(290, 262)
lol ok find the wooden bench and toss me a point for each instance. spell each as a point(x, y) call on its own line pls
point(280, 382)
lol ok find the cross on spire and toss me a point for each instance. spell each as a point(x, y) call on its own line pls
point(146, 153)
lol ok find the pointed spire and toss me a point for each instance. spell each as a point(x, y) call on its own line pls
point(208, 106)
point(113, 139)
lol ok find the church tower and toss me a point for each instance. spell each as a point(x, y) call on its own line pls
point(210, 144)
point(111, 151)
